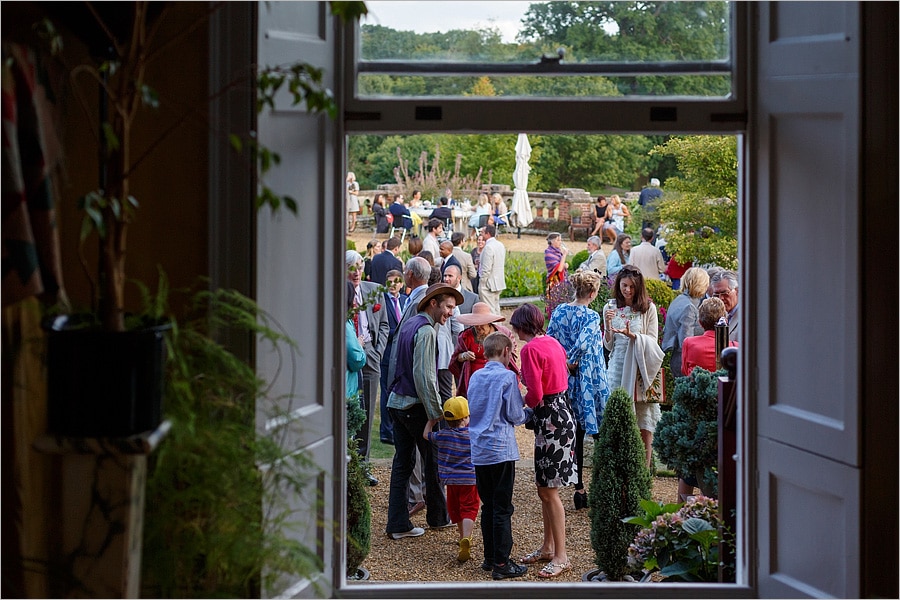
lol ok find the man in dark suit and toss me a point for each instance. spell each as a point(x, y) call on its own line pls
point(386, 260)
point(443, 213)
point(394, 302)
point(453, 278)
point(447, 256)
point(372, 329)
point(402, 217)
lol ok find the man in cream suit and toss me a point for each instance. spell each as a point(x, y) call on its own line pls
point(491, 273)
point(467, 265)
point(372, 328)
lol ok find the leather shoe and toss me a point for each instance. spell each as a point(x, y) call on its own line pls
point(415, 508)
point(510, 569)
point(580, 500)
point(371, 479)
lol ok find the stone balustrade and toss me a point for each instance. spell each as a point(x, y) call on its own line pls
point(551, 210)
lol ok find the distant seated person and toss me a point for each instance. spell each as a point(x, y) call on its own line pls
point(443, 212)
point(483, 207)
point(402, 217)
point(700, 350)
point(500, 209)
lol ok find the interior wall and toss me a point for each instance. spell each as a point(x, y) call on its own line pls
point(171, 225)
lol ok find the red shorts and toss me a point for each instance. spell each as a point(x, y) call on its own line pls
point(462, 502)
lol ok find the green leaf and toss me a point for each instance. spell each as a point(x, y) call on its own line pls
point(149, 96)
point(236, 142)
point(86, 227)
point(290, 203)
point(694, 525)
point(112, 140)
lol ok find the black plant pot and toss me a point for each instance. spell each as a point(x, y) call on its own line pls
point(104, 384)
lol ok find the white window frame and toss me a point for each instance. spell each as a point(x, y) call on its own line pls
point(613, 115)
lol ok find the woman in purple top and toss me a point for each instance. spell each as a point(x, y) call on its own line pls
point(545, 375)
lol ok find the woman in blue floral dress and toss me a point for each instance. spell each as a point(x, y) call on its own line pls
point(576, 327)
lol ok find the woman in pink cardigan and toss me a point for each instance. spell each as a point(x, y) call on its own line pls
point(545, 375)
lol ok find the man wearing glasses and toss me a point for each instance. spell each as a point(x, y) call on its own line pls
point(724, 285)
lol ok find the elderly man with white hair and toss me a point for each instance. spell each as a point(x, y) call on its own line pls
point(372, 329)
point(596, 260)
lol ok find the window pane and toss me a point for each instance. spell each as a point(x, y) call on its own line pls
point(610, 48)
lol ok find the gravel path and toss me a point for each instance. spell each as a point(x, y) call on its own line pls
point(432, 557)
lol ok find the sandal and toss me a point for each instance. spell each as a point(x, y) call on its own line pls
point(552, 569)
point(535, 556)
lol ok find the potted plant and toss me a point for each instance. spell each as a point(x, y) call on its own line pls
point(686, 436)
point(575, 214)
point(620, 481)
point(216, 521)
point(123, 40)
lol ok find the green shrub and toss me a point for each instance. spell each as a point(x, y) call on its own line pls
point(686, 436)
point(359, 510)
point(351, 245)
point(660, 292)
point(524, 276)
point(205, 531)
point(577, 259)
point(620, 481)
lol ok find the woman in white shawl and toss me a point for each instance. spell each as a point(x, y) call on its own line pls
point(631, 332)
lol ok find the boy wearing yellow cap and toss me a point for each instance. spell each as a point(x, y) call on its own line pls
point(455, 468)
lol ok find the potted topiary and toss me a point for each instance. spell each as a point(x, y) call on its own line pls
point(619, 482)
point(686, 436)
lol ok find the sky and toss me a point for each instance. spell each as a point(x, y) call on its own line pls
point(432, 16)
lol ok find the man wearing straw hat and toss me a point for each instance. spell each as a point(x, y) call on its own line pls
point(414, 400)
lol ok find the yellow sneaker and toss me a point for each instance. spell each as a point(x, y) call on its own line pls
point(464, 545)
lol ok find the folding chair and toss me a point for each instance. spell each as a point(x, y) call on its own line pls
point(505, 225)
point(401, 227)
point(482, 221)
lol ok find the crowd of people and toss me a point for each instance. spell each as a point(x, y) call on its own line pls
point(455, 381)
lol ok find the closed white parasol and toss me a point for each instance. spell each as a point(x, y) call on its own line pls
point(521, 207)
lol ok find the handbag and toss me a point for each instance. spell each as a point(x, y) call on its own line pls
point(656, 393)
point(390, 218)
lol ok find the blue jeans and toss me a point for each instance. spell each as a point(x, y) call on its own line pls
point(408, 427)
point(495, 487)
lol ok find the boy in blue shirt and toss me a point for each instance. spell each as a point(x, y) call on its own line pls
point(454, 458)
point(497, 407)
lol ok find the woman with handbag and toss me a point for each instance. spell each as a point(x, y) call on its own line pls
point(631, 333)
point(576, 326)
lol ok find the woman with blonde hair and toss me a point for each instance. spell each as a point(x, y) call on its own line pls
point(617, 212)
point(682, 317)
point(499, 209)
point(352, 201)
point(483, 207)
point(576, 326)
